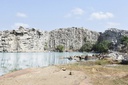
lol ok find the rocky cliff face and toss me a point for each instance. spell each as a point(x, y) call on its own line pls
point(31, 40)
point(23, 40)
point(71, 38)
point(114, 35)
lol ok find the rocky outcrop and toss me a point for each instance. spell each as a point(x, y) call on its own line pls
point(114, 36)
point(116, 56)
point(71, 38)
point(23, 40)
point(32, 40)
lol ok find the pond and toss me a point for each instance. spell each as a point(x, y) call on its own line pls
point(17, 61)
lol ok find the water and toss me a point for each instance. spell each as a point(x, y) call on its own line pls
point(16, 61)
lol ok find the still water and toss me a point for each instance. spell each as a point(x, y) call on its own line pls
point(11, 61)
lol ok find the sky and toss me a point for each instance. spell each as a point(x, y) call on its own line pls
point(96, 15)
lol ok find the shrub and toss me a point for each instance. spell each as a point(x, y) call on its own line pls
point(86, 47)
point(124, 40)
point(102, 46)
point(60, 48)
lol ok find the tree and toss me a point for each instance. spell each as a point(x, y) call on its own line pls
point(60, 48)
point(86, 47)
point(124, 40)
point(102, 46)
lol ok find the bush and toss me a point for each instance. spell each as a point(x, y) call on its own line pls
point(86, 47)
point(60, 48)
point(102, 46)
point(124, 40)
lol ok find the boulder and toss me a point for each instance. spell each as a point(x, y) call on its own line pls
point(116, 56)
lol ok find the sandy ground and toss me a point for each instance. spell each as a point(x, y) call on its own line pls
point(45, 76)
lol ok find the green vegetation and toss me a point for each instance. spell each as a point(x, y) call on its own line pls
point(102, 62)
point(124, 41)
point(86, 47)
point(102, 46)
point(60, 48)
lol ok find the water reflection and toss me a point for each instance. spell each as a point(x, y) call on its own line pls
point(11, 61)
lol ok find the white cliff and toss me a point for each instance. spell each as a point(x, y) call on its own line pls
point(32, 40)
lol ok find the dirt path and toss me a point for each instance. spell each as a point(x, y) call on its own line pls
point(45, 76)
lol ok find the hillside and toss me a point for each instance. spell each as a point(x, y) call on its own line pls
point(33, 40)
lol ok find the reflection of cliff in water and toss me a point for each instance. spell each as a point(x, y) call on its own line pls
point(11, 61)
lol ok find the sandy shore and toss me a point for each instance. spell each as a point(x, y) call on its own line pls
point(45, 76)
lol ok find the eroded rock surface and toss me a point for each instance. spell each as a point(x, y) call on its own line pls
point(32, 40)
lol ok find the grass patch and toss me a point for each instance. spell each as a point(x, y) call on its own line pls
point(122, 67)
point(102, 62)
point(100, 73)
point(121, 81)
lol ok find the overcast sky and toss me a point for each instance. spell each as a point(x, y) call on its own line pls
point(96, 15)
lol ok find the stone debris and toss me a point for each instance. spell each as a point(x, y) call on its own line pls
point(63, 69)
point(116, 56)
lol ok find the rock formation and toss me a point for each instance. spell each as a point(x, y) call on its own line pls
point(114, 35)
point(32, 40)
point(23, 40)
point(71, 38)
